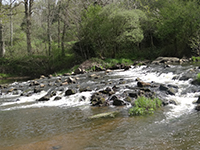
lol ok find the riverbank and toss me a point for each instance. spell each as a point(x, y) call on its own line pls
point(34, 70)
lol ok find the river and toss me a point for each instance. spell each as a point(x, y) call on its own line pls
point(63, 124)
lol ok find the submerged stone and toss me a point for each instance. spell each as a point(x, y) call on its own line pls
point(57, 147)
point(111, 114)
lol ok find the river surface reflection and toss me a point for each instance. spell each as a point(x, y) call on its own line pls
point(69, 129)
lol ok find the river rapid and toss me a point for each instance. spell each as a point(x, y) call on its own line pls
point(29, 124)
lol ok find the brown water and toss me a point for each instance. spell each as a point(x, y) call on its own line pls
point(69, 129)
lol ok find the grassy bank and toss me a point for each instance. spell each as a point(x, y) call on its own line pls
point(36, 65)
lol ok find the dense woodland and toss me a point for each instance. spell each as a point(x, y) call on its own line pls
point(44, 36)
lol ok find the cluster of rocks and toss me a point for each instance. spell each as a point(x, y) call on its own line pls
point(112, 95)
point(50, 84)
point(105, 93)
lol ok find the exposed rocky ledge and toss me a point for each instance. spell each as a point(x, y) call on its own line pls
point(170, 60)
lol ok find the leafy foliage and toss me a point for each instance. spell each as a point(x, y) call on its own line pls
point(140, 29)
point(109, 27)
point(194, 59)
point(177, 23)
point(144, 106)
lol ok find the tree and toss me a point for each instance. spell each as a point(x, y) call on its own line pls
point(2, 51)
point(11, 23)
point(177, 22)
point(65, 19)
point(66, 10)
point(28, 4)
point(106, 29)
point(50, 17)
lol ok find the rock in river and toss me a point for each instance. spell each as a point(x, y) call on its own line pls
point(111, 114)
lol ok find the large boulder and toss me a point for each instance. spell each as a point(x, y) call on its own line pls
point(126, 67)
point(70, 80)
point(166, 60)
point(27, 93)
point(34, 83)
point(79, 71)
point(117, 101)
point(94, 76)
point(44, 98)
point(169, 89)
point(173, 101)
point(37, 90)
point(108, 91)
point(47, 96)
point(84, 89)
point(146, 92)
point(11, 89)
point(133, 94)
point(143, 84)
point(98, 99)
point(70, 92)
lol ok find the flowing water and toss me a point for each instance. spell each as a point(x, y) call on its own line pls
point(26, 124)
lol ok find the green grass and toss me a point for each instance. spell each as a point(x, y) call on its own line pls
point(111, 62)
point(3, 75)
point(144, 106)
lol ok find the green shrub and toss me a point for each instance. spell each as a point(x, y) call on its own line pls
point(3, 75)
point(126, 61)
point(144, 106)
point(112, 62)
point(194, 59)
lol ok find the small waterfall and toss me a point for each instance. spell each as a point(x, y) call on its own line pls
point(156, 74)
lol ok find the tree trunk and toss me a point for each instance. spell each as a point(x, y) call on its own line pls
point(2, 51)
point(11, 24)
point(63, 38)
point(1, 35)
point(65, 21)
point(48, 29)
point(58, 32)
point(59, 7)
point(28, 11)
